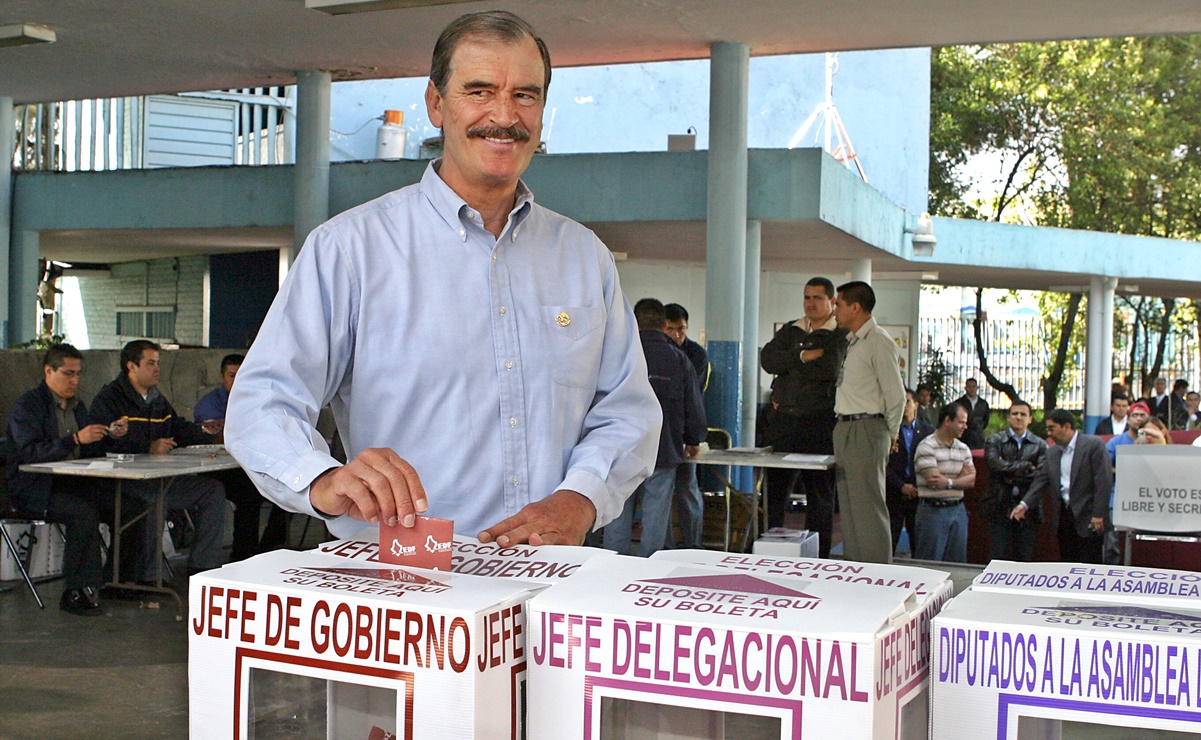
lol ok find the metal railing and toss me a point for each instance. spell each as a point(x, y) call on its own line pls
point(1019, 353)
point(114, 134)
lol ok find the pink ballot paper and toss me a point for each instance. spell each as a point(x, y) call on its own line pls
point(427, 544)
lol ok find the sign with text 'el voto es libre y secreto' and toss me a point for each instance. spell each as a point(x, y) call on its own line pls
point(1033, 647)
point(1158, 488)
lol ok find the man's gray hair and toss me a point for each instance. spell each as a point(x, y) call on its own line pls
point(496, 25)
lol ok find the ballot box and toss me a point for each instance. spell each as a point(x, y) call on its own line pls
point(545, 564)
point(1052, 650)
point(784, 542)
point(931, 590)
point(40, 547)
point(653, 648)
point(307, 644)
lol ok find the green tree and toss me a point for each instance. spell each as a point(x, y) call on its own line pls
point(1100, 135)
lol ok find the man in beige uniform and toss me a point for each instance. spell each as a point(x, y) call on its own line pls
point(869, 403)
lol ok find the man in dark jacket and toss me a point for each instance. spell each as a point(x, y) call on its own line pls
point(1078, 477)
point(49, 423)
point(684, 427)
point(805, 356)
point(900, 482)
point(1013, 456)
point(978, 414)
point(689, 502)
point(154, 427)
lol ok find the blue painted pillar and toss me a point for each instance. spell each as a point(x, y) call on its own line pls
point(8, 143)
point(726, 231)
point(23, 286)
point(311, 198)
point(1099, 352)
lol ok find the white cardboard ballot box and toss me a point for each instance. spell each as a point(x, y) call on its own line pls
point(1019, 665)
point(546, 564)
point(645, 648)
point(1147, 586)
point(782, 542)
point(40, 546)
point(931, 589)
point(1069, 642)
point(355, 650)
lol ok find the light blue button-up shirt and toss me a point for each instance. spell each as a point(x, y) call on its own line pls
point(501, 369)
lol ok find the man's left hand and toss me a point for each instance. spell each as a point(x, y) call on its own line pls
point(691, 451)
point(1098, 524)
point(562, 518)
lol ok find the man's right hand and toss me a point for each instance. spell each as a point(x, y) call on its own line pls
point(377, 485)
point(92, 433)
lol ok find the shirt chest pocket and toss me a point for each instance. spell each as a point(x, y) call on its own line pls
point(574, 339)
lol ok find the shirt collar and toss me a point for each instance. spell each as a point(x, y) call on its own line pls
point(830, 324)
point(864, 330)
point(454, 210)
point(1071, 446)
point(1014, 435)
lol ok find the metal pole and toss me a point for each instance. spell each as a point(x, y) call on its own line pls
point(8, 143)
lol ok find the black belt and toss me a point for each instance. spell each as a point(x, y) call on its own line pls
point(941, 503)
point(859, 417)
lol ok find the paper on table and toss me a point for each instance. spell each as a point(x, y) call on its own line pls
point(798, 457)
point(98, 465)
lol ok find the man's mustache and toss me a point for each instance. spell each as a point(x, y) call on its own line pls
point(516, 133)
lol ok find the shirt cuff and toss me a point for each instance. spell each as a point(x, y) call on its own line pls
point(595, 490)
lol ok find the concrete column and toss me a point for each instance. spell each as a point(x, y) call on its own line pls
point(861, 269)
point(23, 286)
point(8, 143)
point(1099, 352)
point(726, 233)
point(750, 333)
point(311, 198)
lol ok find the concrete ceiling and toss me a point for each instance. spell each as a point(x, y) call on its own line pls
point(111, 48)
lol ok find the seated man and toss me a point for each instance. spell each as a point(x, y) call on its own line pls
point(944, 469)
point(674, 382)
point(246, 499)
point(49, 424)
point(155, 427)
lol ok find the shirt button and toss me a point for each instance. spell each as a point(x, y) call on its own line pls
point(509, 365)
point(296, 481)
point(463, 234)
point(512, 422)
point(502, 311)
point(494, 257)
point(514, 480)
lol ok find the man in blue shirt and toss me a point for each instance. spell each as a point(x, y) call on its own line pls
point(239, 489)
point(477, 352)
point(900, 482)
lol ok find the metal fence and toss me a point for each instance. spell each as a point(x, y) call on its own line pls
point(1020, 350)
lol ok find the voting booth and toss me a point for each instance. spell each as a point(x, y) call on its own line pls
point(1157, 490)
point(648, 648)
point(332, 647)
point(1032, 647)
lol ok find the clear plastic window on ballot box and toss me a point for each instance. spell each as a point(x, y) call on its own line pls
point(1040, 728)
point(629, 719)
point(295, 706)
